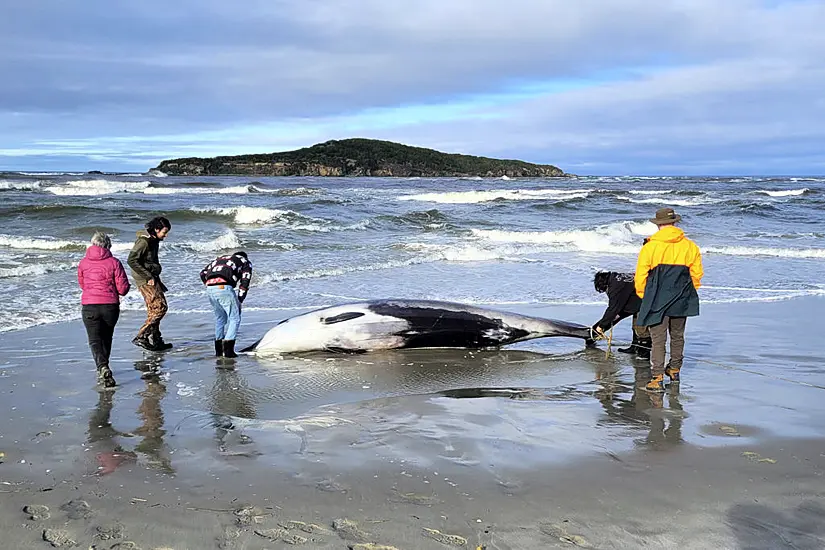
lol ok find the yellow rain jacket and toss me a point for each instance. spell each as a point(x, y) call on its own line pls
point(668, 272)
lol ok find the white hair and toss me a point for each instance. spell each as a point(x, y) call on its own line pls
point(101, 239)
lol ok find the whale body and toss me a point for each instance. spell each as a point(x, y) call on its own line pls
point(396, 324)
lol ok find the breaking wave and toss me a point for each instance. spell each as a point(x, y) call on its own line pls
point(617, 238)
point(475, 197)
point(783, 193)
point(29, 270)
point(11, 185)
point(98, 187)
point(95, 187)
point(667, 201)
point(47, 243)
point(812, 253)
point(651, 192)
point(248, 215)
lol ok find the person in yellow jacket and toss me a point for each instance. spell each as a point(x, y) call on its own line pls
point(668, 272)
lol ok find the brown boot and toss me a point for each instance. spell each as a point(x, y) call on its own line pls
point(656, 384)
point(672, 373)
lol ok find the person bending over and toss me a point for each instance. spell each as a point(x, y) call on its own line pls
point(221, 276)
point(622, 302)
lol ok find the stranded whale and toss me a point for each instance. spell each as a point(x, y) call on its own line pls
point(395, 324)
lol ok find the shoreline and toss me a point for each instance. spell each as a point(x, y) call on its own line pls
point(540, 445)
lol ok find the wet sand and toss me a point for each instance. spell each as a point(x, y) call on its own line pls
point(540, 446)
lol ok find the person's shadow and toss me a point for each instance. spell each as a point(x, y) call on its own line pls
point(762, 527)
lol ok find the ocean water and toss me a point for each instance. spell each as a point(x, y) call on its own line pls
point(511, 244)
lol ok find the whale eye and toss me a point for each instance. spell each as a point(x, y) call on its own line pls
point(342, 317)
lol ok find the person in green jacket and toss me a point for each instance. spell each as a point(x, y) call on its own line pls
point(146, 268)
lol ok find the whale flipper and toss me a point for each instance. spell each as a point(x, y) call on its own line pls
point(348, 316)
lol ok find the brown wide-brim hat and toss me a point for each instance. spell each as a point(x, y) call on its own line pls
point(665, 216)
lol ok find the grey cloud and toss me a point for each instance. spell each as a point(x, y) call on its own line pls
point(95, 69)
point(745, 118)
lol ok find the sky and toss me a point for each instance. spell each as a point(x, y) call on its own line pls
point(602, 87)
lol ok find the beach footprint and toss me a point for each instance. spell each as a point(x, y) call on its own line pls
point(443, 538)
point(77, 509)
point(58, 538)
point(37, 512)
point(349, 530)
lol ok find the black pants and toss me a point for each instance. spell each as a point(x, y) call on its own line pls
point(100, 321)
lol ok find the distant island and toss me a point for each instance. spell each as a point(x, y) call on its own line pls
point(357, 157)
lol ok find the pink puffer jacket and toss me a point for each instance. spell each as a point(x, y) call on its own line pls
point(101, 277)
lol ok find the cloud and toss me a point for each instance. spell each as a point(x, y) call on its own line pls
point(635, 86)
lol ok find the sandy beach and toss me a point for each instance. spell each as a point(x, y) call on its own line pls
point(540, 446)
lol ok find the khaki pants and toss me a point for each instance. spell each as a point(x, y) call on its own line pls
point(638, 330)
point(155, 311)
point(658, 333)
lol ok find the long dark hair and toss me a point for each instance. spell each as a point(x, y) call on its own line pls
point(156, 224)
point(600, 280)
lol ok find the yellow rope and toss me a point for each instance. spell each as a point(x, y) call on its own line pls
point(609, 343)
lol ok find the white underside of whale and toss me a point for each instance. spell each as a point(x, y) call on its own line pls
point(309, 333)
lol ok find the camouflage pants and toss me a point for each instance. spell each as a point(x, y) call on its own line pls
point(156, 309)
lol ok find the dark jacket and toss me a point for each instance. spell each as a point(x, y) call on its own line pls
point(622, 299)
point(668, 272)
point(143, 259)
point(669, 292)
point(232, 269)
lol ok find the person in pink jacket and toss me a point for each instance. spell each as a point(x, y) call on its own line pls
point(103, 280)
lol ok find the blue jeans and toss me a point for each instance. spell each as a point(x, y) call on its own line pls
point(227, 310)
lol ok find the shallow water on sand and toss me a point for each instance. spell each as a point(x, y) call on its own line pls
point(543, 402)
point(515, 448)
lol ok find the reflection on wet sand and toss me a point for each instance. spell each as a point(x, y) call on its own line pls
point(103, 437)
point(107, 439)
point(642, 408)
point(152, 431)
point(235, 394)
point(230, 397)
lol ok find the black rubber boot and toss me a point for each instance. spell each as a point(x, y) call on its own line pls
point(632, 348)
point(643, 348)
point(157, 341)
point(218, 348)
point(229, 348)
point(143, 342)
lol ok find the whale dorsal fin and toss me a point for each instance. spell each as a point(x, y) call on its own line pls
point(342, 317)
